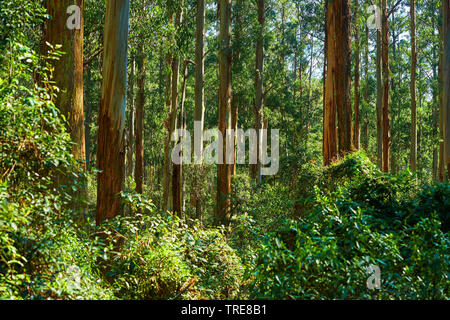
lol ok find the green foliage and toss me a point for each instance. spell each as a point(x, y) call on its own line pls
point(325, 253)
point(164, 258)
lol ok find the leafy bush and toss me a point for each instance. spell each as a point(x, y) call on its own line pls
point(326, 252)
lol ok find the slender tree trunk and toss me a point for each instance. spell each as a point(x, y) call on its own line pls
point(111, 132)
point(167, 143)
point(441, 172)
point(308, 106)
point(199, 113)
point(259, 82)
point(379, 106)
point(237, 71)
point(132, 118)
point(225, 63)
point(413, 151)
point(446, 84)
point(139, 134)
point(357, 125)
point(366, 92)
point(177, 168)
point(435, 106)
point(329, 121)
point(386, 79)
point(343, 79)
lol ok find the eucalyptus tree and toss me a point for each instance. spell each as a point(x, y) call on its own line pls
point(111, 118)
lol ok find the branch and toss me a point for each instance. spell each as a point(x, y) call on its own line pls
point(93, 57)
point(394, 7)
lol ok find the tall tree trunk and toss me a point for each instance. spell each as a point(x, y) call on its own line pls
point(111, 132)
point(68, 74)
point(177, 194)
point(435, 105)
point(386, 78)
point(446, 84)
point(379, 106)
point(366, 91)
point(139, 134)
point(225, 62)
point(132, 118)
point(413, 151)
point(236, 71)
point(199, 113)
point(167, 142)
point(441, 172)
point(357, 125)
point(343, 75)
point(310, 89)
point(329, 111)
point(259, 82)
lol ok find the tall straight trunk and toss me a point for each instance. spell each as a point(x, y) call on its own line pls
point(199, 113)
point(386, 80)
point(365, 139)
point(413, 151)
point(177, 183)
point(325, 143)
point(167, 159)
point(111, 121)
point(379, 106)
point(446, 84)
point(68, 74)
point(441, 171)
point(357, 124)
point(435, 105)
point(132, 118)
point(343, 76)
point(173, 116)
point(329, 111)
point(259, 82)
point(338, 81)
point(139, 134)
point(308, 105)
point(225, 63)
point(237, 71)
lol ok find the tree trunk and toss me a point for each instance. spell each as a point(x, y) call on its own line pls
point(413, 151)
point(441, 171)
point(111, 132)
point(199, 113)
point(259, 82)
point(68, 74)
point(379, 106)
point(225, 61)
point(446, 84)
point(177, 194)
point(139, 133)
point(167, 143)
point(132, 120)
point(357, 125)
point(343, 76)
point(435, 105)
point(366, 92)
point(236, 71)
point(329, 113)
point(386, 78)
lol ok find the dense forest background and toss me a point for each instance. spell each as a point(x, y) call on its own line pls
point(93, 207)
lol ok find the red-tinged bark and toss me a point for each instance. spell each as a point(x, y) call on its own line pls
point(225, 60)
point(111, 117)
